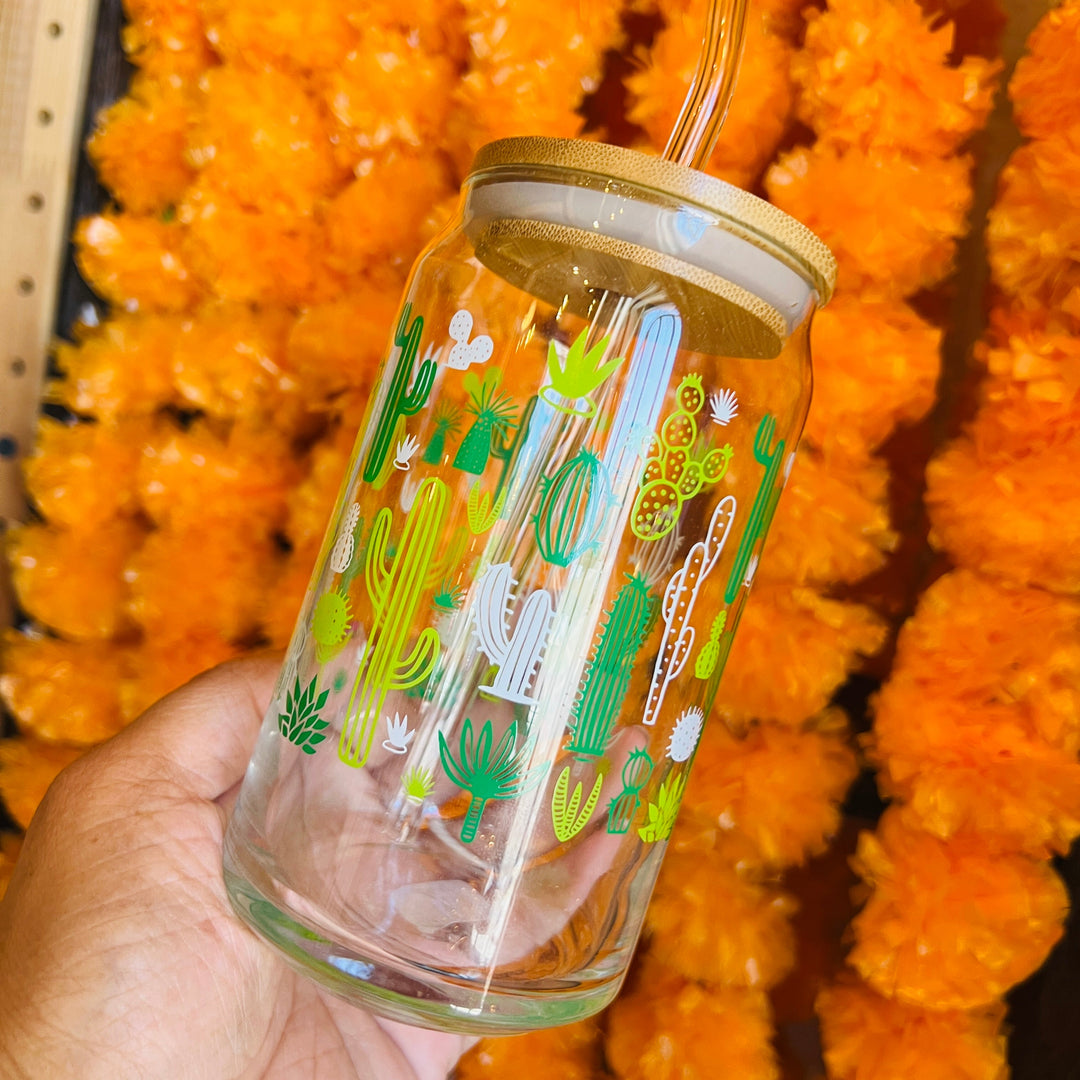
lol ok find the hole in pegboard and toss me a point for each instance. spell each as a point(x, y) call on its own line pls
point(44, 117)
point(9, 446)
point(35, 201)
point(25, 285)
point(54, 29)
point(18, 367)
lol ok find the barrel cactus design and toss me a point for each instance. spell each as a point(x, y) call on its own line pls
point(624, 807)
point(572, 505)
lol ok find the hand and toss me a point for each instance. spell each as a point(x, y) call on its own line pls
point(119, 954)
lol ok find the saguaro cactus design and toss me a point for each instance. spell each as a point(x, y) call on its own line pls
point(493, 412)
point(607, 678)
point(566, 818)
point(577, 377)
point(395, 587)
point(400, 400)
point(678, 605)
point(624, 807)
point(518, 654)
point(572, 505)
point(484, 773)
point(765, 501)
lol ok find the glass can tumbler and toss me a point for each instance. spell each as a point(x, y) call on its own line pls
point(523, 605)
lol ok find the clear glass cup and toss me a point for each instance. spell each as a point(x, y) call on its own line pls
point(461, 793)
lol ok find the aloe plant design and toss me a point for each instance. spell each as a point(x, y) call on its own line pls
point(395, 589)
point(400, 401)
point(624, 807)
point(447, 420)
point(566, 818)
point(517, 655)
point(768, 494)
point(578, 376)
point(485, 773)
point(494, 414)
point(300, 723)
point(482, 515)
point(572, 504)
point(665, 810)
point(607, 678)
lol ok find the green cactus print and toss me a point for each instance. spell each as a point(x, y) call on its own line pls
point(566, 817)
point(447, 420)
point(707, 659)
point(572, 505)
point(400, 400)
point(481, 514)
point(330, 624)
point(494, 415)
point(300, 723)
point(579, 376)
point(624, 807)
point(664, 811)
point(395, 589)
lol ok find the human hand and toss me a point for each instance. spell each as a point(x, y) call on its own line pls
point(119, 953)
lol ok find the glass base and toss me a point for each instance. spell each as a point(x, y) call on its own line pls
point(399, 990)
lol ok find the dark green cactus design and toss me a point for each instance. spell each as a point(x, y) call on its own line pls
point(504, 446)
point(400, 401)
point(494, 415)
point(395, 589)
point(608, 676)
point(624, 807)
point(486, 773)
point(447, 421)
point(572, 506)
point(300, 723)
point(768, 494)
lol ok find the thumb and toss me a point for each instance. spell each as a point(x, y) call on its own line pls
point(200, 736)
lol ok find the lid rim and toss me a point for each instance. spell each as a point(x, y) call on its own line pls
point(606, 161)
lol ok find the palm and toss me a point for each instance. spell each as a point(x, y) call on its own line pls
point(118, 928)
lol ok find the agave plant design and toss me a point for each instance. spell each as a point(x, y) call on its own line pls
point(494, 413)
point(578, 376)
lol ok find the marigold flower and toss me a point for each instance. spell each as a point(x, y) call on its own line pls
point(751, 946)
point(778, 788)
point(791, 674)
point(662, 1027)
point(878, 73)
point(876, 365)
point(311, 501)
point(71, 579)
point(1034, 349)
point(137, 146)
point(62, 691)
point(135, 262)
point(82, 475)
point(839, 194)
point(870, 1037)
point(1043, 86)
point(571, 1052)
point(951, 924)
point(165, 38)
point(27, 768)
point(832, 522)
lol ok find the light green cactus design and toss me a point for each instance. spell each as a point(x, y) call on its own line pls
point(494, 415)
point(576, 378)
point(572, 505)
point(624, 807)
point(395, 589)
point(675, 470)
point(486, 773)
point(665, 810)
point(482, 515)
point(608, 676)
point(447, 420)
point(400, 400)
point(418, 783)
point(330, 624)
point(566, 817)
point(706, 661)
point(768, 494)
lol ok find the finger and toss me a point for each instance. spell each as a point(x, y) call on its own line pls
point(201, 736)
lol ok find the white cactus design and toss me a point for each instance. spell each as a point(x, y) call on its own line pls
point(345, 544)
point(464, 353)
point(679, 599)
point(684, 737)
point(405, 452)
point(724, 407)
point(398, 735)
point(518, 654)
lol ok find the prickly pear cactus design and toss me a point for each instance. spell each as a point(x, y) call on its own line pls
point(330, 624)
point(493, 414)
point(572, 506)
point(707, 659)
point(300, 723)
point(607, 677)
point(624, 807)
point(665, 810)
point(395, 588)
point(465, 352)
point(401, 400)
point(575, 378)
point(568, 817)
point(673, 474)
point(345, 544)
point(517, 654)
point(482, 515)
point(765, 501)
point(685, 735)
point(678, 605)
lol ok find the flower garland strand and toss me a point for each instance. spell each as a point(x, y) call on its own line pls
point(976, 734)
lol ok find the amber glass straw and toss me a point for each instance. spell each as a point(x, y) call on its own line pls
point(707, 101)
